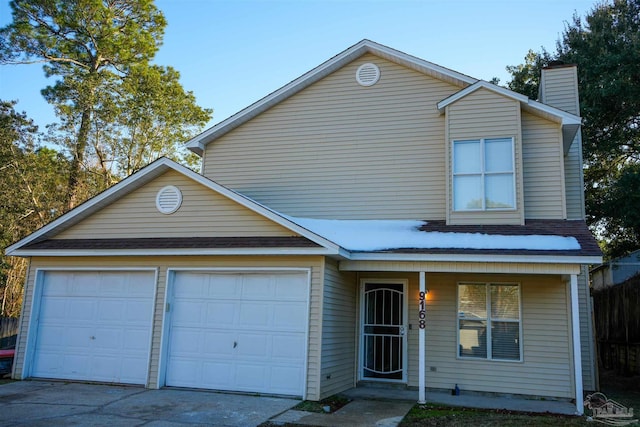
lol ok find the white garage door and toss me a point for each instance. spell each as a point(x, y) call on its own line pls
point(239, 332)
point(94, 326)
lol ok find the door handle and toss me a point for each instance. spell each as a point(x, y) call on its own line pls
point(235, 344)
point(402, 330)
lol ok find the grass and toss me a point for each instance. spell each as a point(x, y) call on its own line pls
point(437, 415)
point(624, 390)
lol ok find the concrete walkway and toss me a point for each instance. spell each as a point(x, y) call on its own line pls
point(386, 407)
point(42, 403)
point(46, 403)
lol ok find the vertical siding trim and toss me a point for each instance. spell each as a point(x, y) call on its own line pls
point(563, 181)
point(577, 354)
point(519, 166)
point(320, 320)
point(447, 169)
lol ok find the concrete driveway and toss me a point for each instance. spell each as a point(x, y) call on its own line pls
point(43, 403)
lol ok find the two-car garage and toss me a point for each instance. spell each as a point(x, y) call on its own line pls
point(224, 330)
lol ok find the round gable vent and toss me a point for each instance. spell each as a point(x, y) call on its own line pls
point(368, 74)
point(169, 199)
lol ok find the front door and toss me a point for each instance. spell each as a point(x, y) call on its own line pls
point(383, 341)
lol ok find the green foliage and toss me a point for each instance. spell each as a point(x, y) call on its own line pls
point(33, 178)
point(117, 111)
point(605, 46)
point(525, 78)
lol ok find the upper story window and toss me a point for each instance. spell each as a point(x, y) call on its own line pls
point(483, 174)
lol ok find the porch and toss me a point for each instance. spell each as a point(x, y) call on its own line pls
point(435, 349)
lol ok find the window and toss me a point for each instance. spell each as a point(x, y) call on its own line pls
point(483, 174)
point(489, 321)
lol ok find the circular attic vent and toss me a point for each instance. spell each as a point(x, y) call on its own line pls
point(169, 199)
point(368, 74)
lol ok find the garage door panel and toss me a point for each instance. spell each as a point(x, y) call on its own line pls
point(88, 331)
point(136, 340)
point(257, 287)
point(251, 376)
point(284, 378)
point(223, 286)
point(197, 285)
point(220, 314)
point(219, 344)
point(252, 346)
point(216, 375)
point(291, 317)
point(254, 315)
point(288, 288)
point(287, 347)
point(187, 371)
point(185, 341)
point(247, 317)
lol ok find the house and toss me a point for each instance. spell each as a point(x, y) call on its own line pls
point(615, 271)
point(380, 219)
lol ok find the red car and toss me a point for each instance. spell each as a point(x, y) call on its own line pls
point(6, 361)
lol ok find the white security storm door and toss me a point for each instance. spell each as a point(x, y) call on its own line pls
point(94, 326)
point(383, 342)
point(239, 331)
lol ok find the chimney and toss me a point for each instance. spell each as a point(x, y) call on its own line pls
point(559, 87)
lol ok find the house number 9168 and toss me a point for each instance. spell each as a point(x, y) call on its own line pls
point(422, 310)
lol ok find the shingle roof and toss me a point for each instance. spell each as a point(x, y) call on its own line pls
point(175, 243)
point(542, 227)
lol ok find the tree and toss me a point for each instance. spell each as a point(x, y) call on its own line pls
point(99, 49)
point(30, 190)
point(605, 46)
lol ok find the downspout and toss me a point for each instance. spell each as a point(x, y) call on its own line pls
point(577, 352)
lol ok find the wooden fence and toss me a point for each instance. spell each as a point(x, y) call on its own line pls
point(8, 330)
point(617, 321)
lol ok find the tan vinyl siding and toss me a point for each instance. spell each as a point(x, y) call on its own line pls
point(338, 330)
point(542, 168)
point(485, 114)
point(203, 213)
point(546, 367)
point(162, 264)
point(340, 150)
point(560, 88)
point(574, 180)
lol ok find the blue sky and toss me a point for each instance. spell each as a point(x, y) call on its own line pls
point(232, 53)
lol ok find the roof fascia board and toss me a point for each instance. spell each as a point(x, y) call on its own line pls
point(538, 259)
point(198, 143)
point(154, 252)
point(151, 171)
point(480, 84)
point(562, 116)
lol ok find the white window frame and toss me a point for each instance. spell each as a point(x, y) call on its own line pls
point(489, 320)
point(483, 174)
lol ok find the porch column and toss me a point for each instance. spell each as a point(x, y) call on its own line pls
point(577, 352)
point(421, 349)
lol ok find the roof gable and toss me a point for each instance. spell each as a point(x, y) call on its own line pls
point(64, 225)
point(570, 122)
point(202, 213)
point(198, 143)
